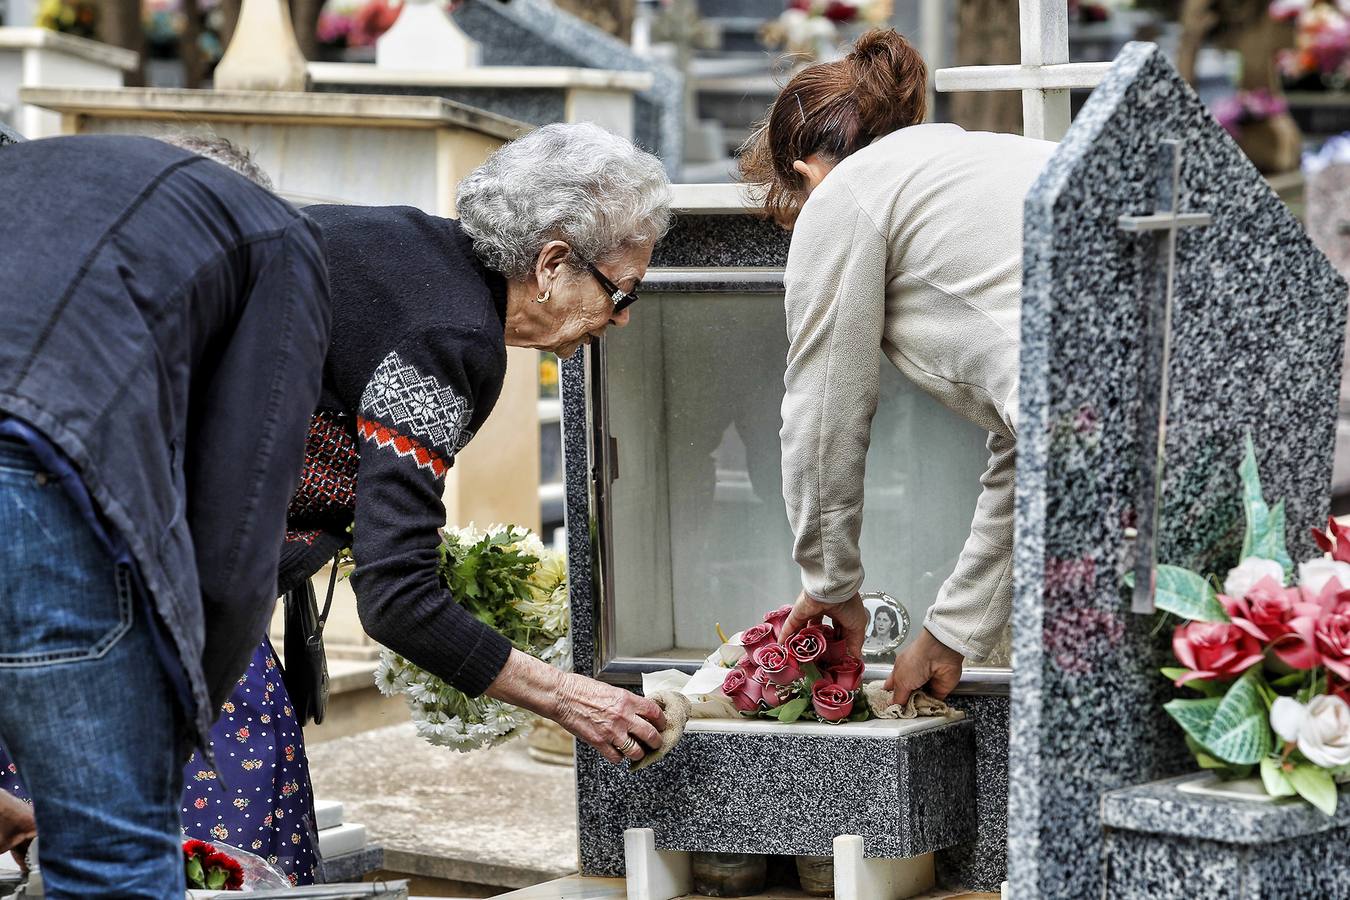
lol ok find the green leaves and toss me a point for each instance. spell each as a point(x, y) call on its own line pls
point(1232, 728)
point(1240, 730)
point(792, 710)
point(1274, 778)
point(1184, 593)
point(1265, 527)
point(1315, 785)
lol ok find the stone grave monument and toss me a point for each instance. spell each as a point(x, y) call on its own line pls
point(527, 60)
point(1171, 304)
point(682, 497)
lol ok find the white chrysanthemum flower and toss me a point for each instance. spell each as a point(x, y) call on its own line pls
point(445, 717)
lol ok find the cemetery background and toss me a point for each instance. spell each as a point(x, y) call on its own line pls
point(729, 78)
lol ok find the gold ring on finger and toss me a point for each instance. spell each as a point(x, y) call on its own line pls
point(626, 745)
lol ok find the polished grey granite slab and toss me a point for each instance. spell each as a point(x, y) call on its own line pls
point(1165, 844)
point(980, 863)
point(1257, 326)
point(906, 793)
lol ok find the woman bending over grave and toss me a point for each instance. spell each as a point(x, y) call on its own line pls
point(556, 230)
point(907, 246)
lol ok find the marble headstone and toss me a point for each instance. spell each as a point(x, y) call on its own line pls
point(537, 33)
point(1256, 328)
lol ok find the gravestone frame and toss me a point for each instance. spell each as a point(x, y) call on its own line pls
point(1257, 325)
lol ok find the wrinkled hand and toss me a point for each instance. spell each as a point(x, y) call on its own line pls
point(605, 717)
point(851, 616)
point(925, 663)
point(17, 827)
point(599, 714)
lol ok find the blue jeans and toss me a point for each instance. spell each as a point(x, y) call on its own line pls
point(85, 707)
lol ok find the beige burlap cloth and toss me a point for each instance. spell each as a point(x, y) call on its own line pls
point(679, 709)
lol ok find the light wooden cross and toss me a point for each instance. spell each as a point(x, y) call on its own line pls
point(1045, 75)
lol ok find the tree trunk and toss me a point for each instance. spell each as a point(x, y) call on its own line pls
point(229, 18)
point(119, 24)
point(305, 19)
point(189, 45)
point(988, 34)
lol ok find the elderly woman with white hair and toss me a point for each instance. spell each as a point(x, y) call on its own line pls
point(556, 230)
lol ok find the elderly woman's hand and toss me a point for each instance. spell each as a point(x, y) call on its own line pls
point(614, 721)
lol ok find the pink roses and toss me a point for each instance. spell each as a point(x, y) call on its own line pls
point(831, 702)
point(777, 663)
point(1214, 650)
point(809, 674)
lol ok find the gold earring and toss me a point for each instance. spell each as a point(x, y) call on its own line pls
point(543, 298)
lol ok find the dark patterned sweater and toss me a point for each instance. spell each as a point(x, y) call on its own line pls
point(415, 365)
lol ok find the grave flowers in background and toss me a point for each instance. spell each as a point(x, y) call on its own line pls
point(1267, 649)
point(507, 579)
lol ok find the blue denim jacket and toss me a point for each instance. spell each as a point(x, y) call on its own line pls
point(163, 323)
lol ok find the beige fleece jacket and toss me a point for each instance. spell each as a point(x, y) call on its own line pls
point(911, 248)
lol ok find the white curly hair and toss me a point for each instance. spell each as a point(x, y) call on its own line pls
point(572, 182)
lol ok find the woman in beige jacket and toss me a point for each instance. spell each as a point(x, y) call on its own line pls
point(909, 246)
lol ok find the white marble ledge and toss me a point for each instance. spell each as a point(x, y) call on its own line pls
point(46, 39)
point(873, 728)
point(712, 199)
point(483, 77)
point(302, 108)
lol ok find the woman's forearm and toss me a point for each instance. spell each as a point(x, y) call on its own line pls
point(530, 684)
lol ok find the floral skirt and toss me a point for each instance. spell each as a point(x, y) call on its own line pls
point(261, 801)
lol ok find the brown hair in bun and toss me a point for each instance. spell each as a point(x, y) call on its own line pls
point(834, 109)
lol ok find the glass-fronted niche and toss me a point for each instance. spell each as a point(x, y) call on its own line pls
point(695, 531)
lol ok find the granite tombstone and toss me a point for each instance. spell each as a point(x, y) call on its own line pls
point(1257, 315)
point(537, 33)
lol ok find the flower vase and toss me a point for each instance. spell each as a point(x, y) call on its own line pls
point(550, 743)
point(728, 874)
point(816, 874)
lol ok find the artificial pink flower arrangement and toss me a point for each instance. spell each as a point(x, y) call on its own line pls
point(810, 675)
point(1270, 658)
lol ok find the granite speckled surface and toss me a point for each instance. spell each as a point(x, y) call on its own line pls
point(537, 106)
point(537, 33)
point(1257, 327)
point(782, 793)
point(722, 240)
point(1159, 807)
point(981, 863)
point(1165, 845)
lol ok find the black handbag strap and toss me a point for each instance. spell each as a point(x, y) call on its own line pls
point(328, 601)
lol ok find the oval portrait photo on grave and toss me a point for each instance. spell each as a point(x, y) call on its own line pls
point(888, 625)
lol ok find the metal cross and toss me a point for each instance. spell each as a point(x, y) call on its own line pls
point(1164, 225)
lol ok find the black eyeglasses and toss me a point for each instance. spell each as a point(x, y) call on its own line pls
point(620, 299)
